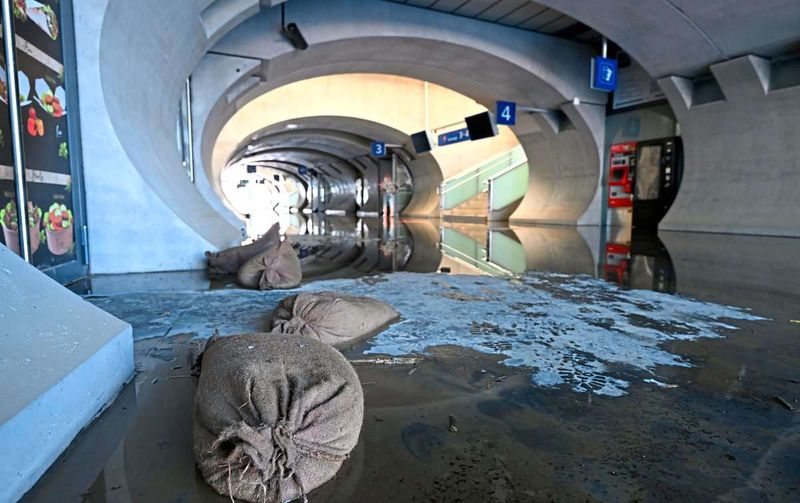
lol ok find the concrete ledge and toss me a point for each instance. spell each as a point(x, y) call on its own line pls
point(62, 360)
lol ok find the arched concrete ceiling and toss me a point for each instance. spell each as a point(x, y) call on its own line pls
point(456, 53)
point(345, 141)
point(167, 40)
point(302, 144)
point(667, 37)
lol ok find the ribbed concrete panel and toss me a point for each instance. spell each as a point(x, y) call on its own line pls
point(742, 165)
point(523, 14)
point(682, 37)
point(501, 9)
point(677, 37)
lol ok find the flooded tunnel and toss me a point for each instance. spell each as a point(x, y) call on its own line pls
point(394, 250)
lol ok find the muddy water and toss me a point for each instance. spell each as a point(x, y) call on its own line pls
point(717, 431)
point(699, 442)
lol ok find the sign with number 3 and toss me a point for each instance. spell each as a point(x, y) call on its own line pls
point(378, 149)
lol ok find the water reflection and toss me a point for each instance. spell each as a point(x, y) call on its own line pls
point(344, 247)
point(721, 407)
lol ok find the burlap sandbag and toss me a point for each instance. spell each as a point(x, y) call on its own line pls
point(231, 260)
point(276, 268)
point(275, 416)
point(333, 318)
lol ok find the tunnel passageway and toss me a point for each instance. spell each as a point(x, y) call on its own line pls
point(516, 250)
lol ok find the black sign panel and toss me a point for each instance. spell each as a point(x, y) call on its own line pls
point(481, 126)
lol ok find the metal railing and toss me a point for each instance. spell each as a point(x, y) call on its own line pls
point(508, 186)
point(461, 188)
point(469, 252)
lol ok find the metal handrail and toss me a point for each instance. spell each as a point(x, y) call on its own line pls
point(507, 170)
point(478, 166)
point(507, 156)
point(476, 174)
point(491, 181)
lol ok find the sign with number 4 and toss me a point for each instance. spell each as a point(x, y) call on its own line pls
point(506, 113)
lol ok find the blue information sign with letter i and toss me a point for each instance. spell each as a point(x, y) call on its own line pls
point(604, 74)
point(378, 149)
point(506, 113)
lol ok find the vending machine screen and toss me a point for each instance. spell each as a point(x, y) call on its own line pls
point(648, 173)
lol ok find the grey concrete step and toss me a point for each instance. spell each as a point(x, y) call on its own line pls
point(62, 361)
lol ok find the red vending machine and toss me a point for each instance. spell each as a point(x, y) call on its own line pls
point(620, 175)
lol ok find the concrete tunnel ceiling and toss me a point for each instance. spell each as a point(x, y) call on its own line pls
point(511, 64)
point(372, 116)
point(675, 37)
point(338, 148)
point(346, 36)
point(719, 66)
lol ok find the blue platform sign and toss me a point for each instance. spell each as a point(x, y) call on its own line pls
point(604, 74)
point(452, 137)
point(378, 149)
point(506, 113)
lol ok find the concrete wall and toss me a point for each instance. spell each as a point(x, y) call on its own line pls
point(558, 161)
point(131, 228)
point(742, 169)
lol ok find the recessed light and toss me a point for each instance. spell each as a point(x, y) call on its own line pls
point(292, 126)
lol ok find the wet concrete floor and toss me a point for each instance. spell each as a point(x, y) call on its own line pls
point(705, 417)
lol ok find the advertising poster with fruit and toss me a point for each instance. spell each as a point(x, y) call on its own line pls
point(8, 207)
point(43, 110)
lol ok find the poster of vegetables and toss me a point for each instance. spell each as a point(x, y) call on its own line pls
point(43, 110)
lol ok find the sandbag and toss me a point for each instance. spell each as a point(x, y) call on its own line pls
point(231, 260)
point(276, 268)
point(275, 416)
point(333, 318)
